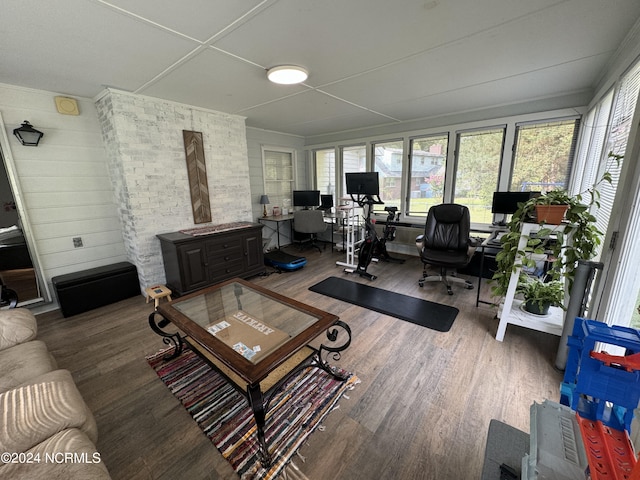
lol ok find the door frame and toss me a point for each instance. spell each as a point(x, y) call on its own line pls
point(12, 175)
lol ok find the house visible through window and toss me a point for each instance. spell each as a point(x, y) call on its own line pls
point(427, 164)
point(354, 159)
point(387, 161)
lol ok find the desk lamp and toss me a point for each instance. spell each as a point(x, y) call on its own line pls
point(264, 201)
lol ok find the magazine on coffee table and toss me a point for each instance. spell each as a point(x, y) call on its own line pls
point(248, 336)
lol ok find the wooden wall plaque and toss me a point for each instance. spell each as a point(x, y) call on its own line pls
point(197, 173)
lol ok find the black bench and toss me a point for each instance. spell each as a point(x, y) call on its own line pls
point(88, 289)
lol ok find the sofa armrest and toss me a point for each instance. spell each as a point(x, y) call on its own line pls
point(17, 325)
point(40, 408)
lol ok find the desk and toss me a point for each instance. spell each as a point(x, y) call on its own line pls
point(278, 219)
point(489, 247)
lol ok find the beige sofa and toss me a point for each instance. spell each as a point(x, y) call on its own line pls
point(47, 431)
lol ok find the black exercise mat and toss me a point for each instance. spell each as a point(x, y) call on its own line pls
point(415, 310)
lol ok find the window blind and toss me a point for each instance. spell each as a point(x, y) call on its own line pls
point(617, 137)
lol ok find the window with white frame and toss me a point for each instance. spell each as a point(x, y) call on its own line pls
point(354, 159)
point(325, 170)
point(427, 167)
point(279, 175)
point(478, 156)
point(543, 155)
point(387, 161)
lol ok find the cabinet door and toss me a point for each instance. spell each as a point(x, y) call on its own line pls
point(253, 255)
point(193, 268)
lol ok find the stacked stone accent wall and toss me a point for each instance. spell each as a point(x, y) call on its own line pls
point(145, 149)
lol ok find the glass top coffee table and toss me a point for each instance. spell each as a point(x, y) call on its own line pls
point(255, 337)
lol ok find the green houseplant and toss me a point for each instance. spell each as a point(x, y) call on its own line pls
point(540, 295)
point(579, 224)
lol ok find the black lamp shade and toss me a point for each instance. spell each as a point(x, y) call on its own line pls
point(28, 135)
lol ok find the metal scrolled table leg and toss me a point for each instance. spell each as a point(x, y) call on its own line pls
point(168, 338)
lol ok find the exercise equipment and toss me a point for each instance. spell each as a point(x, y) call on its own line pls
point(283, 261)
point(374, 248)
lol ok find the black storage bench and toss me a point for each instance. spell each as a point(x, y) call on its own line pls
point(82, 291)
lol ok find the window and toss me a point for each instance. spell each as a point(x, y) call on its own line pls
point(543, 155)
point(427, 164)
point(354, 159)
point(477, 168)
point(278, 165)
point(616, 142)
point(325, 164)
point(387, 161)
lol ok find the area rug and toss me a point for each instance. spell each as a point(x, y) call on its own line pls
point(415, 310)
point(226, 419)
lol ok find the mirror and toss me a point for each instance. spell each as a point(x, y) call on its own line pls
point(19, 270)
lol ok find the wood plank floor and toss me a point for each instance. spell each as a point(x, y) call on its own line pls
point(421, 411)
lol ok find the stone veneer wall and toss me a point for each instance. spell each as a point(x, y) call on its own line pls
point(145, 149)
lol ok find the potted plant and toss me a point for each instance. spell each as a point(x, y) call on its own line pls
point(579, 224)
point(539, 295)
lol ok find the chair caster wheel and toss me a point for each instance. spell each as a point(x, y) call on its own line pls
point(421, 284)
point(449, 291)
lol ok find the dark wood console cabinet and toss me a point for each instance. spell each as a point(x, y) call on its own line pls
point(194, 262)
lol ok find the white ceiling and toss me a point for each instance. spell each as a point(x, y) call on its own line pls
point(371, 62)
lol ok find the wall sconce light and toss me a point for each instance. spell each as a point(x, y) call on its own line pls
point(28, 135)
point(264, 201)
point(287, 74)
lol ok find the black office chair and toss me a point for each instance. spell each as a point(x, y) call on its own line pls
point(326, 202)
point(446, 244)
point(309, 223)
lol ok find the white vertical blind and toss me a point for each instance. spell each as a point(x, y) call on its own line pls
point(617, 138)
point(592, 144)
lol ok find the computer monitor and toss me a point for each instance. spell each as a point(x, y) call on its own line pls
point(306, 198)
point(506, 203)
point(363, 183)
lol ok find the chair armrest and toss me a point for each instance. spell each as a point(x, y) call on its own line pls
point(475, 241)
point(419, 238)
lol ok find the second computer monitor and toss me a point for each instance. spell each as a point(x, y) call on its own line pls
point(306, 198)
point(506, 203)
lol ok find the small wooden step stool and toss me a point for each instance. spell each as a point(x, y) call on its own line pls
point(157, 292)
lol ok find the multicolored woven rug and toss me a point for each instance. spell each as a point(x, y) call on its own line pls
point(225, 417)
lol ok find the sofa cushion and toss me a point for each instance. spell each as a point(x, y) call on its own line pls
point(17, 325)
point(40, 408)
point(23, 362)
point(67, 454)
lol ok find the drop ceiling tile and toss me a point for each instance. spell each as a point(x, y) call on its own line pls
point(199, 19)
point(220, 82)
point(79, 46)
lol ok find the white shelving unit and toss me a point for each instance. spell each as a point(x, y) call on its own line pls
point(510, 311)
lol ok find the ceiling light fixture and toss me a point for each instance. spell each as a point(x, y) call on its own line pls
point(28, 135)
point(287, 74)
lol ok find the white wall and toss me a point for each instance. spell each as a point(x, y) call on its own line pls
point(64, 181)
point(145, 146)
